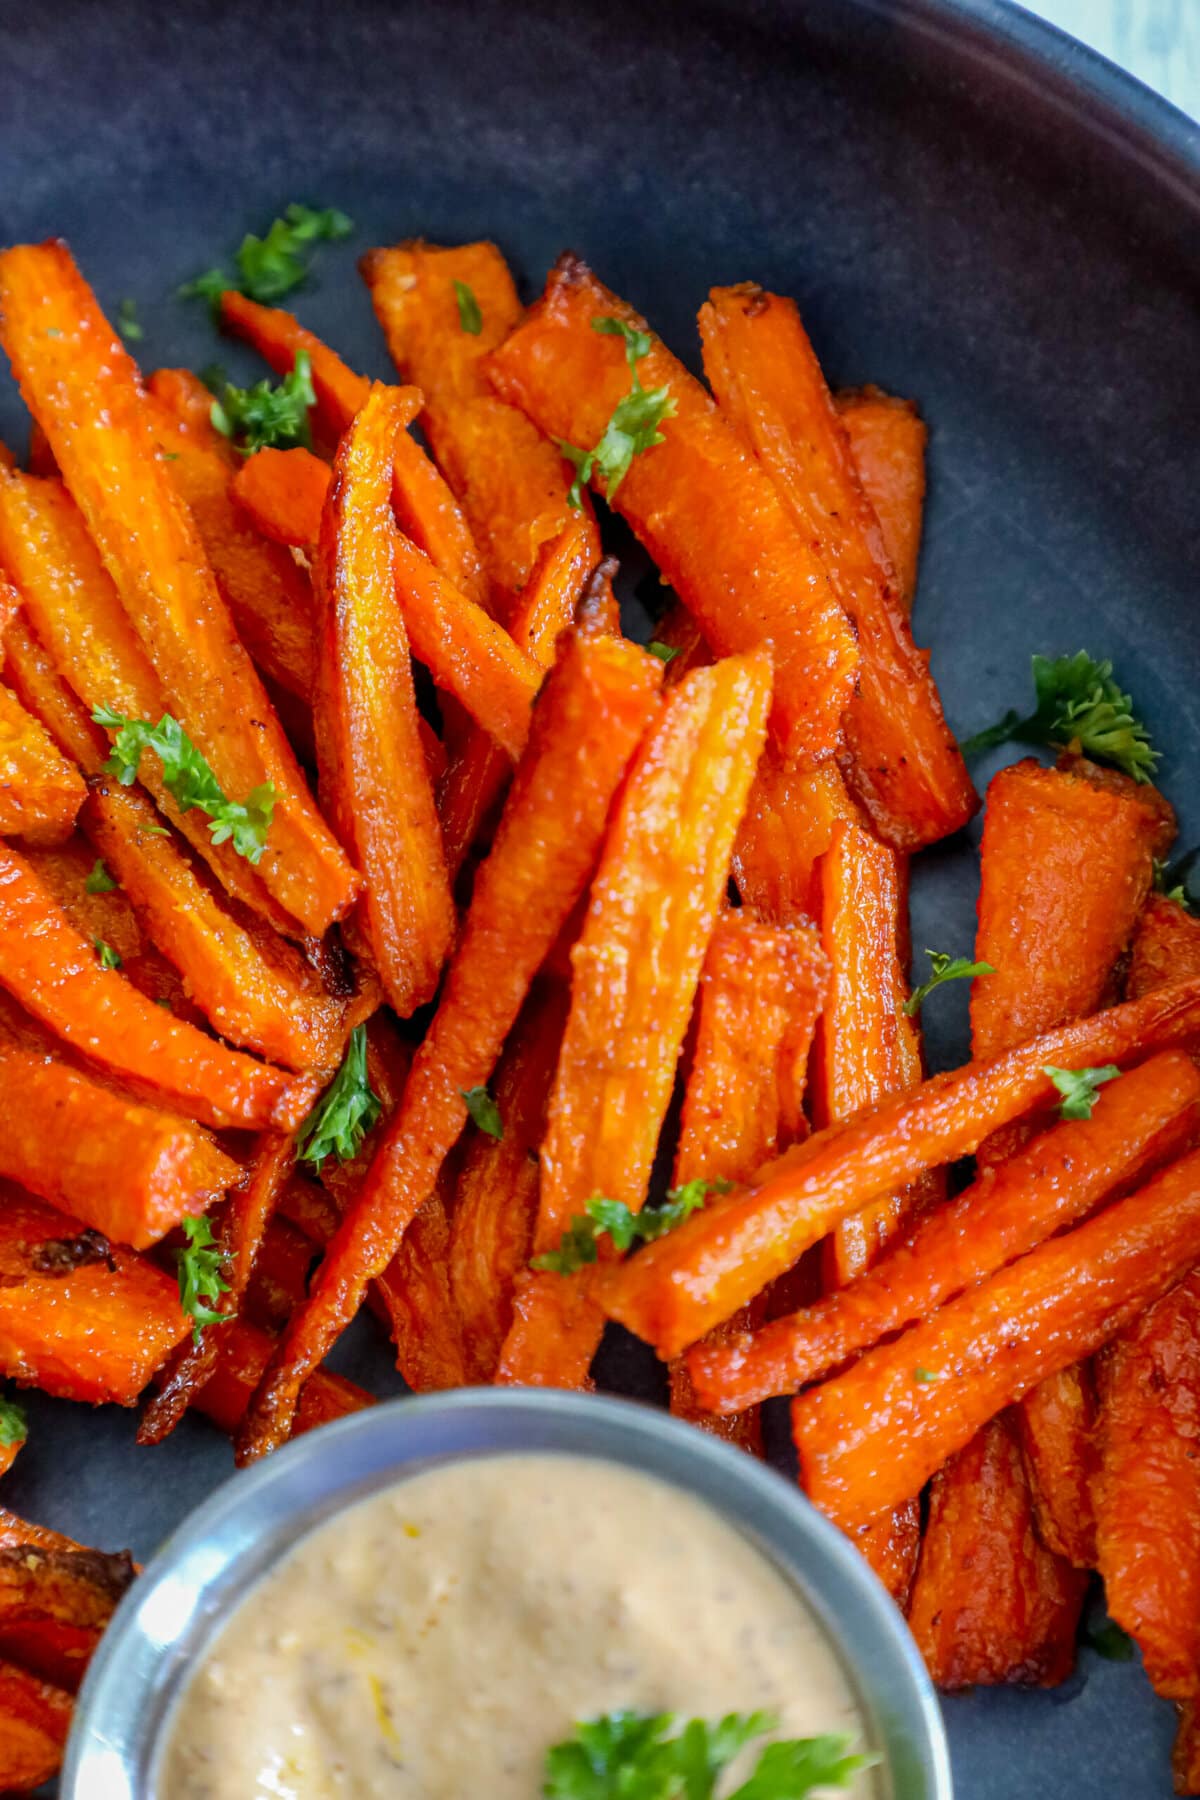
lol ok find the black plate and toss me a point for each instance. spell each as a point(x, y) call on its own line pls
point(969, 210)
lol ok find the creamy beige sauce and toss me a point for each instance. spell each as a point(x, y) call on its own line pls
point(434, 1640)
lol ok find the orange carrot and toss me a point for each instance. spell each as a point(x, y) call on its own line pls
point(790, 820)
point(1185, 1758)
point(243, 1354)
point(1057, 1421)
point(10, 600)
point(283, 492)
point(887, 439)
point(589, 718)
point(704, 507)
point(65, 871)
point(676, 1289)
point(904, 765)
point(277, 336)
point(928, 1391)
point(40, 792)
point(1166, 947)
point(82, 387)
point(35, 1718)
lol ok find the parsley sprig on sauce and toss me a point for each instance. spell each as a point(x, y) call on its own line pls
point(945, 968)
point(1078, 702)
point(264, 417)
point(270, 267)
point(346, 1111)
point(201, 1276)
point(632, 1756)
point(580, 1242)
point(189, 779)
point(1078, 1088)
point(633, 426)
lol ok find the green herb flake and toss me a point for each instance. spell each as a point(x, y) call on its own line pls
point(469, 315)
point(1078, 1088)
point(201, 1276)
point(665, 652)
point(632, 1756)
point(106, 955)
point(99, 880)
point(580, 1242)
point(270, 267)
point(633, 427)
point(1078, 702)
point(346, 1111)
point(484, 1111)
point(14, 1427)
point(923, 1375)
point(189, 779)
point(263, 417)
point(127, 322)
point(945, 968)
point(1109, 1641)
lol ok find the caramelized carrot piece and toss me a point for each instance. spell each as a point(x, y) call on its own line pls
point(278, 336)
point(54, 1606)
point(65, 871)
point(10, 600)
point(56, 975)
point(1166, 947)
point(1057, 1421)
point(15, 1530)
point(1137, 1123)
point(283, 492)
point(35, 1718)
point(1185, 1758)
point(593, 710)
point(243, 1354)
point(903, 763)
point(82, 387)
point(791, 817)
point(40, 791)
point(887, 440)
point(368, 745)
point(676, 1289)
point(706, 510)
point(990, 1346)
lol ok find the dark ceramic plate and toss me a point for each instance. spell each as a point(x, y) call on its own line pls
point(969, 209)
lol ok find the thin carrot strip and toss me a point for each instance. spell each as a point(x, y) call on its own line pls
point(698, 1275)
point(706, 510)
point(1166, 947)
point(887, 438)
point(82, 387)
point(790, 820)
point(594, 708)
point(243, 1354)
point(872, 1437)
point(40, 791)
point(35, 1718)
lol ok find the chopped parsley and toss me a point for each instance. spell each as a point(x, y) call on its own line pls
point(189, 779)
point(270, 267)
point(633, 426)
point(580, 1242)
point(484, 1111)
point(945, 968)
point(632, 1756)
point(201, 1277)
point(106, 955)
point(14, 1427)
point(923, 1375)
point(1109, 1641)
point(665, 652)
point(264, 417)
point(469, 315)
point(1078, 702)
point(346, 1111)
point(99, 880)
point(128, 324)
point(1078, 1088)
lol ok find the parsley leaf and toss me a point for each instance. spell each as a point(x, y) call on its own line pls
point(14, 1427)
point(1077, 702)
point(633, 426)
point(270, 267)
point(1174, 880)
point(483, 1110)
point(128, 324)
point(200, 1275)
point(1107, 1639)
point(346, 1111)
point(263, 417)
point(580, 1242)
point(630, 1756)
point(469, 315)
point(923, 1375)
point(945, 968)
point(1078, 1088)
point(665, 652)
point(189, 779)
point(99, 881)
point(792, 1769)
point(107, 955)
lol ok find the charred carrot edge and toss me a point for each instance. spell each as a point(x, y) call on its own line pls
point(675, 1290)
point(40, 791)
point(1057, 1422)
point(1166, 947)
point(56, 975)
point(1185, 1757)
point(789, 824)
point(636, 964)
point(80, 1587)
point(82, 387)
point(990, 1346)
point(369, 752)
point(279, 1281)
point(123, 1169)
point(593, 710)
point(760, 583)
point(283, 492)
point(1137, 1122)
point(887, 439)
point(679, 631)
point(35, 1718)
point(243, 1354)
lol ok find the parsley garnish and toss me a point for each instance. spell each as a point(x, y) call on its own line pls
point(634, 423)
point(945, 968)
point(1077, 702)
point(629, 1756)
point(346, 1111)
point(270, 267)
point(1078, 1088)
point(99, 880)
point(920, 1374)
point(580, 1242)
point(483, 1110)
point(108, 957)
point(665, 652)
point(1109, 1641)
point(189, 779)
point(200, 1275)
point(263, 417)
point(14, 1427)
point(1174, 880)
point(469, 315)
point(127, 322)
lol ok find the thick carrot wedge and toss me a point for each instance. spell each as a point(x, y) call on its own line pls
point(926, 1393)
point(887, 439)
point(704, 507)
point(82, 387)
point(35, 1718)
point(283, 493)
point(373, 773)
point(123, 1169)
point(594, 708)
point(903, 763)
point(243, 1355)
point(675, 1290)
point(40, 791)
point(1166, 947)
point(1006, 1610)
point(634, 972)
point(54, 1606)
point(790, 820)
point(1057, 1423)
point(1145, 1118)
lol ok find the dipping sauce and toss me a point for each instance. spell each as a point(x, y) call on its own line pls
point(435, 1640)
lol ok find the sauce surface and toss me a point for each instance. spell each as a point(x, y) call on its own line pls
point(435, 1640)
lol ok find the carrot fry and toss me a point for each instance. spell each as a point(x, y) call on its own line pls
point(82, 387)
point(903, 763)
point(1137, 1123)
point(675, 1290)
point(887, 438)
point(285, 1260)
point(15, 1530)
point(593, 710)
point(35, 1718)
point(1185, 1758)
point(277, 336)
point(243, 1355)
point(283, 492)
point(704, 507)
point(40, 792)
point(1166, 947)
point(80, 1587)
point(1057, 1421)
point(989, 1347)
point(789, 824)
point(368, 747)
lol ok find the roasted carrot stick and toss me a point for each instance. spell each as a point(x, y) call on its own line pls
point(887, 439)
point(35, 1718)
point(242, 1356)
point(789, 824)
point(82, 387)
point(283, 493)
point(634, 973)
point(929, 1390)
point(279, 1283)
point(594, 708)
point(903, 763)
point(277, 336)
point(40, 791)
point(54, 1606)
point(1137, 1122)
point(1166, 947)
point(675, 1290)
point(704, 507)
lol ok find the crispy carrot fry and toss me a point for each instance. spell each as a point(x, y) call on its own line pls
point(277, 336)
point(1057, 1421)
point(593, 710)
point(79, 1587)
point(989, 1347)
point(1166, 947)
point(35, 1718)
point(283, 492)
point(903, 763)
point(368, 747)
point(427, 513)
point(675, 1290)
point(1053, 1182)
point(65, 870)
point(704, 507)
point(243, 1355)
point(1185, 1758)
point(285, 1260)
point(790, 820)
point(15, 1530)
point(40, 792)
point(82, 388)
point(887, 438)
